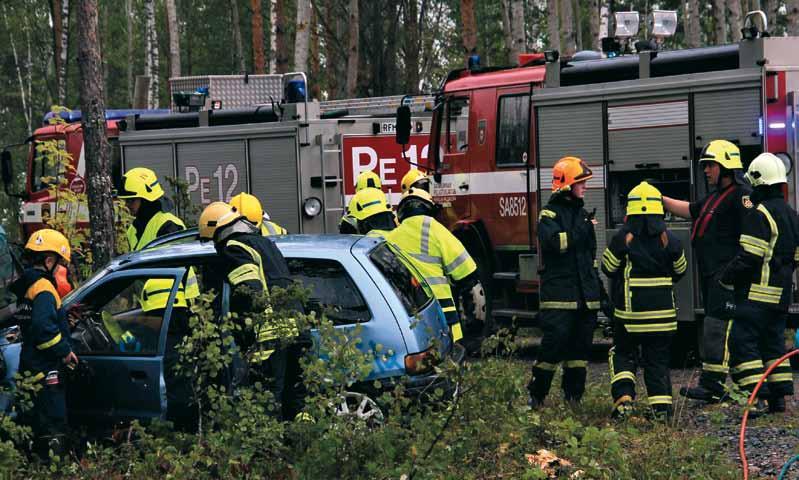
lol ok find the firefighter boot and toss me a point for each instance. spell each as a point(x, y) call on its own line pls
point(701, 392)
point(776, 404)
point(622, 408)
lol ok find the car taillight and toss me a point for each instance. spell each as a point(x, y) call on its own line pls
point(422, 362)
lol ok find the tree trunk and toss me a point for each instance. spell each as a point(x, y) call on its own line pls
point(567, 27)
point(735, 20)
point(259, 64)
point(793, 17)
point(553, 25)
point(353, 49)
point(720, 21)
point(281, 38)
point(469, 21)
point(517, 29)
point(315, 88)
point(24, 98)
point(129, 18)
point(272, 36)
point(174, 38)
point(60, 12)
point(237, 45)
point(578, 22)
point(151, 51)
point(302, 35)
point(593, 19)
point(412, 46)
point(694, 34)
point(506, 31)
point(772, 11)
point(95, 143)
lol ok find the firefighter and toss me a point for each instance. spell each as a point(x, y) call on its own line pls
point(714, 236)
point(249, 206)
point(372, 212)
point(367, 179)
point(439, 256)
point(45, 338)
point(761, 274)
point(348, 225)
point(570, 287)
point(416, 179)
point(143, 194)
point(180, 408)
point(643, 261)
point(252, 264)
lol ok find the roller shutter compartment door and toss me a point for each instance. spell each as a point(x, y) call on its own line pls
point(157, 158)
point(732, 115)
point(274, 180)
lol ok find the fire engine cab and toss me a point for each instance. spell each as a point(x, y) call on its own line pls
point(643, 116)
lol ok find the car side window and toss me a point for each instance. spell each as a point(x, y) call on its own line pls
point(332, 290)
point(115, 319)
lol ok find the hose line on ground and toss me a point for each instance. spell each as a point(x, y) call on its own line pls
point(752, 397)
point(787, 466)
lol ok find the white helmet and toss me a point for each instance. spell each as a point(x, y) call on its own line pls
point(766, 169)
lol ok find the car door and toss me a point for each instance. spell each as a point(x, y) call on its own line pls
point(120, 380)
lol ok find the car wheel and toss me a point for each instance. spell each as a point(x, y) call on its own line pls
point(359, 408)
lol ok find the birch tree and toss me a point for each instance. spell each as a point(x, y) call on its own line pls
point(518, 44)
point(720, 21)
point(412, 46)
point(352, 49)
point(553, 24)
point(151, 53)
point(96, 148)
point(302, 35)
point(59, 10)
point(593, 19)
point(693, 37)
point(793, 17)
point(238, 47)
point(469, 21)
point(259, 64)
point(281, 52)
point(735, 19)
point(24, 95)
point(567, 27)
point(174, 38)
point(129, 20)
point(273, 36)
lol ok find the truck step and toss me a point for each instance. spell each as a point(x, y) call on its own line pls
point(513, 312)
point(506, 276)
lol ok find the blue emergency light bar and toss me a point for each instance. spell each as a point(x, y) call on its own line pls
point(74, 116)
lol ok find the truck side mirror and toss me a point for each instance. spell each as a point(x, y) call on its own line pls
point(403, 125)
point(5, 167)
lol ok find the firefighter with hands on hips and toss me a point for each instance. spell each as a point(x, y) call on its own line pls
point(440, 257)
point(761, 274)
point(348, 224)
point(643, 261)
point(570, 287)
point(253, 265)
point(249, 206)
point(45, 338)
point(372, 212)
point(717, 221)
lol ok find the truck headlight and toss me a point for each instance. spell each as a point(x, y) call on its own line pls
point(311, 207)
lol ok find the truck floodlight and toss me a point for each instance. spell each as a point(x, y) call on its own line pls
point(755, 25)
point(551, 56)
point(626, 24)
point(663, 23)
point(311, 207)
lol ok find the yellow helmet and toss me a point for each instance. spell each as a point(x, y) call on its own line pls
point(141, 183)
point(249, 206)
point(766, 169)
point(409, 179)
point(368, 202)
point(644, 199)
point(215, 215)
point(414, 192)
point(367, 179)
point(155, 294)
point(49, 240)
point(725, 153)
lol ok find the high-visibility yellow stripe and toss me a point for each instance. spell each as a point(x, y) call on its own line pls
point(751, 379)
point(757, 242)
point(261, 355)
point(757, 251)
point(796, 255)
point(558, 305)
point(759, 297)
point(747, 366)
point(766, 290)
point(780, 377)
point(244, 273)
point(49, 343)
point(712, 367)
point(550, 367)
point(725, 362)
point(650, 327)
point(547, 213)
point(765, 269)
point(592, 305)
point(651, 282)
point(457, 332)
point(660, 400)
point(609, 267)
point(623, 376)
point(610, 257)
point(564, 241)
point(575, 363)
point(648, 315)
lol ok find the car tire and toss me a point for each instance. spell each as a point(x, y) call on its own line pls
point(359, 408)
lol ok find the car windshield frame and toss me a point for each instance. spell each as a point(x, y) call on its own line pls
point(412, 306)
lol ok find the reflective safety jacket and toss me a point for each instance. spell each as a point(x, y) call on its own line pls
point(254, 261)
point(569, 279)
point(45, 336)
point(437, 255)
point(160, 224)
point(643, 263)
point(762, 271)
point(271, 228)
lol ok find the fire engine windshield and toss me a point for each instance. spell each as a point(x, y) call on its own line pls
point(44, 166)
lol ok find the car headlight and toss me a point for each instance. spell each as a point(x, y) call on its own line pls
point(312, 206)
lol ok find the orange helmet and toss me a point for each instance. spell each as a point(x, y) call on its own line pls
point(567, 172)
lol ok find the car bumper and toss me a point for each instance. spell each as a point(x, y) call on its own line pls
point(423, 386)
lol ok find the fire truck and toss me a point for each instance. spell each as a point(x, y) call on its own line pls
point(497, 132)
point(299, 157)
